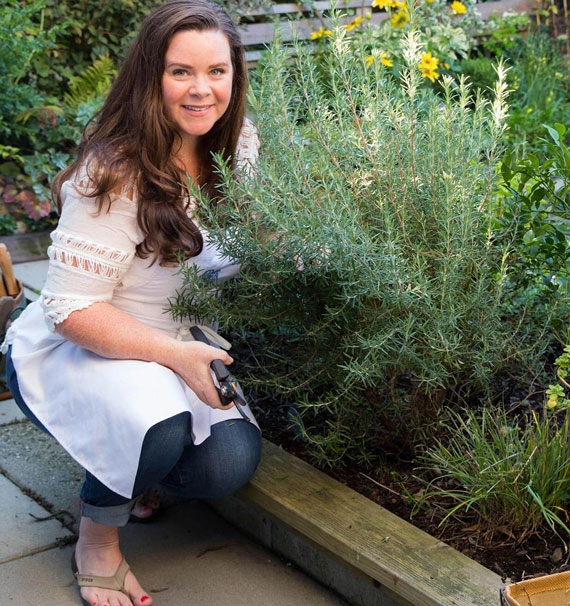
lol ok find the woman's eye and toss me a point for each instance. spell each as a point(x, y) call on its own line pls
point(218, 71)
point(179, 72)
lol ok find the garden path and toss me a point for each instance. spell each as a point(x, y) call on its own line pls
point(189, 556)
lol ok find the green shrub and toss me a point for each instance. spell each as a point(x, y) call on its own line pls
point(502, 34)
point(540, 81)
point(24, 42)
point(533, 211)
point(482, 74)
point(368, 270)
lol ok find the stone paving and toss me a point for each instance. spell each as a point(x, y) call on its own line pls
point(190, 556)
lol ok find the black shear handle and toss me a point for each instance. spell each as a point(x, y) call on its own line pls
point(220, 369)
point(227, 390)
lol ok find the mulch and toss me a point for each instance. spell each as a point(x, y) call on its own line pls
point(394, 488)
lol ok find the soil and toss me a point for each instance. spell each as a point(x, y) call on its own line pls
point(536, 555)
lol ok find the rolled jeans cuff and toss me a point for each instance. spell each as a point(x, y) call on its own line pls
point(115, 515)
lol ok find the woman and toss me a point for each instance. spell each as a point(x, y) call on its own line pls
point(97, 362)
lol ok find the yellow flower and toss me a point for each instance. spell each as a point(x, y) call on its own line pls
point(354, 23)
point(529, 110)
point(428, 61)
point(320, 33)
point(382, 58)
point(430, 73)
point(381, 3)
point(446, 65)
point(458, 7)
point(428, 65)
point(429, 1)
point(400, 18)
point(368, 15)
point(548, 99)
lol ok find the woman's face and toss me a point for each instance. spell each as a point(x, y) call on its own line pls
point(197, 82)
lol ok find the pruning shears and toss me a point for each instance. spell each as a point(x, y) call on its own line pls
point(227, 390)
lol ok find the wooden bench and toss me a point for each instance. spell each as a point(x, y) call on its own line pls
point(257, 26)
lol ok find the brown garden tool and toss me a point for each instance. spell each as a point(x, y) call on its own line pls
point(12, 287)
point(11, 297)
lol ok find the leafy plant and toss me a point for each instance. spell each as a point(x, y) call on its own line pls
point(503, 33)
point(92, 83)
point(368, 272)
point(511, 475)
point(23, 41)
point(540, 80)
point(7, 225)
point(481, 73)
point(534, 211)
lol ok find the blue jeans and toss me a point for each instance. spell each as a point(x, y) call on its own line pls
point(213, 469)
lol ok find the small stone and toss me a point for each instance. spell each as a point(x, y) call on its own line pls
point(556, 555)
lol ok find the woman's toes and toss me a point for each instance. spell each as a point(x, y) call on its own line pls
point(90, 596)
point(142, 511)
point(144, 600)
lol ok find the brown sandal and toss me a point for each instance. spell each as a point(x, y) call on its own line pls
point(116, 582)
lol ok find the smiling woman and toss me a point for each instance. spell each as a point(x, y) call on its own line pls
point(197, 94)
point(95, 362)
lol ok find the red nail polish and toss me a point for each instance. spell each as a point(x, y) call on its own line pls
point(144, 598)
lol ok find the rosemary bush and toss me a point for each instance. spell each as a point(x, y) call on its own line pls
point(369, 274)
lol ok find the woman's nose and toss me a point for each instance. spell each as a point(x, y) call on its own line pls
point(200, 87)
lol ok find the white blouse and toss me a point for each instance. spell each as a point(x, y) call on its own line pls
point(98, 408)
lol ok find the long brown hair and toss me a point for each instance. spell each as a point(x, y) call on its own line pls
point(130, 141)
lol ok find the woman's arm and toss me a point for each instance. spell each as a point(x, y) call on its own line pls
point(112, 333)
point(90, 254)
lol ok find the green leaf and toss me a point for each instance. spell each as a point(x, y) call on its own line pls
point(554, 133)
point(561, 129)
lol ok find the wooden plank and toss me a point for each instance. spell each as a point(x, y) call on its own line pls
point(486, 9)
point(421, 569)
point(262, 33)
point(289, 8)
point(27, 247)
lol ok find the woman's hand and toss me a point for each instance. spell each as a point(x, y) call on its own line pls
point(192, 361)
point(112, 333)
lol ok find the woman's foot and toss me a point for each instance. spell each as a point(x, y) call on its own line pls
point(147, 506)
point(97, 553)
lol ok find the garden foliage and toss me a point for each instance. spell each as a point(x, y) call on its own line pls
point(368, 266)
point(509, 472)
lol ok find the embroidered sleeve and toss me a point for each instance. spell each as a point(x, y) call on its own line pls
point(89, 254)
point(247, 148)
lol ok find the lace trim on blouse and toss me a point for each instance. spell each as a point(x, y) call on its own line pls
point(101, 262)
point(247, 147)
point(94, 262)
point(58, 310)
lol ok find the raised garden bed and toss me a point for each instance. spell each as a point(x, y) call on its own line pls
point(391, 561)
